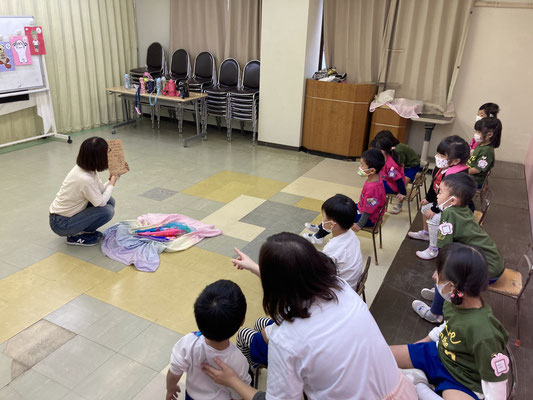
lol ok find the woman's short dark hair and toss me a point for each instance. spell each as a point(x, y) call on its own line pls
point(341, 209)
point(220, 310)
point(454, 147)
point(466, 267)
point(294, 275)
point(462, 186)
point(93, 154)
point(488, 125)
point(374, 159)
point(490, 109)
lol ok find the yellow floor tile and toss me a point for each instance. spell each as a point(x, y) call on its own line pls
point(310, 204)
point(227, 218)
point(173, 288)
point(228, 185)
point(320, 190)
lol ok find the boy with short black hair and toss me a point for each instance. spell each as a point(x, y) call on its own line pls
point(458, 225)
point(219, 311)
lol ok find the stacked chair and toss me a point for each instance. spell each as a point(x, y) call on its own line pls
point(180, 66)
point(156, 63)
point(244, 100)
point(218, 96)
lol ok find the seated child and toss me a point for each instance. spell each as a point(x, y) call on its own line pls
point(372, 198)
point(488, 136)
point(485, 110)
point(458, 225)
point(467, 352)
point(452, 154)
point(219, 311)
point(338, 215)
point(392, 173)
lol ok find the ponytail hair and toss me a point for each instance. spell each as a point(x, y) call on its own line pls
point(386, 144)
point(488, 125)
point(491, 109)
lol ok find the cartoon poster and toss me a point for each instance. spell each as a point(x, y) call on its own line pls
point(21, 50)
point(35, 40)
point(6, 57)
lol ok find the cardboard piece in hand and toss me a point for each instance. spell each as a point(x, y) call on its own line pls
point(115, 158)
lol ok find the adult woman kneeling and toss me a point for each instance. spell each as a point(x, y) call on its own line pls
point(84, 203)
point(325, 341)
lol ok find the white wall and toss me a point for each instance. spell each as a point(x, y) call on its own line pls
point(496, 67)
point(290, 42)
point(153, 25)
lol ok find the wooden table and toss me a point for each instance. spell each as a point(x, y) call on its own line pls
point(128, 95)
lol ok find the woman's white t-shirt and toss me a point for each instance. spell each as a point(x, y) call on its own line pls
point(78, 189)
point(345, 251)
point(337, 353)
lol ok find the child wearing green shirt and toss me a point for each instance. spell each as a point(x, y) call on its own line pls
point(488, 136)
point(467, 353)
point(458, 225)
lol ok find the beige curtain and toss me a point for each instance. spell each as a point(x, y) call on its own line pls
point(90, 44)
point(226, 28)
point(426, 48)
point(353, 35)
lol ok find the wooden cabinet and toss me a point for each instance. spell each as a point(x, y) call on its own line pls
point(336, 117)
point(383, 118)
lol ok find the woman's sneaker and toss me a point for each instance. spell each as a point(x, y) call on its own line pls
point(311, 237)
point(85, 239)
point(420, 235)
point(424, 311)
point(428, 294)
point(312, 227)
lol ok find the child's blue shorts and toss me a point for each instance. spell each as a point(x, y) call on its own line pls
point(425, 356)
point(411, 172)
point(259, 348)
point(359, 215)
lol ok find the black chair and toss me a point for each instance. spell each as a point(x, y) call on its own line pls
point(244, 101)
point(180, 66)
point(155, 63)
point(217, 102)
point(204, 72)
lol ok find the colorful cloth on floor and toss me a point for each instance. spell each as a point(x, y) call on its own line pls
point(141, 241)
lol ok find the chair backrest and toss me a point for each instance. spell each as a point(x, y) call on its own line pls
point(528, 258)
point(180, 64)
point(250, 75)
point(486, 198)
point(361, 284)
point(416, 185)
point(204, 65)
point(229, 73)
point(155, 57)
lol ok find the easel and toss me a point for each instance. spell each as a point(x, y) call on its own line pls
point(52, 131)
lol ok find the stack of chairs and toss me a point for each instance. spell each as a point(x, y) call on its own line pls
point(180, 66)
point(218, 96)
point(244, 100)
point(156, 64)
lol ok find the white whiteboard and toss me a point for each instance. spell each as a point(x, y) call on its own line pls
point(24, 77)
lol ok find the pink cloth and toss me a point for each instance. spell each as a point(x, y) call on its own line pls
point(391, 172)
point(473, 144)
point(405, 390)
point(405, 108)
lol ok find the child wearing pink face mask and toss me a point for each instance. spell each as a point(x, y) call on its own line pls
point(486, 110)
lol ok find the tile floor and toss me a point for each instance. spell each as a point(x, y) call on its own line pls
point(74, 323)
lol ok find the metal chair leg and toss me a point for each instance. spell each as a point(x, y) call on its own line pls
point(375, 249)
point(409, 209)
point(218, 123)
point(380, 240)
point(517, 342)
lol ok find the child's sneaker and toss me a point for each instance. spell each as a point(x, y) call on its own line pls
point(416, 376)
point(420, 235)
point(311, 237)
point(97, 234)
point(428, 294)
point(84, 239)
point(396, 209)
point(424, 311)
point(312, 227)
point(428, 254)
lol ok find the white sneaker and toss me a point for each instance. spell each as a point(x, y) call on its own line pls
point(427, 254)
point(312, 227)
point(396, 209)
point(420, 235)
point(416, 376)
point(428, 294)
point(424, 311)
point(311, 237)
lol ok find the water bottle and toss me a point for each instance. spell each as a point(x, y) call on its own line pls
point(127, 81)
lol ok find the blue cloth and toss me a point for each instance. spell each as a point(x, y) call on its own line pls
point(359, 215)
point(425, 356)
point(401, 187)
point(88, 220)
point(259, 348)
point(187, 397)
point(411, 172)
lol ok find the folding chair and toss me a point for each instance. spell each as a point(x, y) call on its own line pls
point(425, 171)
point(485, 185)
point(414, 193)
point(512, 379)
point(376, 229)
point(360, 288)
point(510, 285)
point(485, 198)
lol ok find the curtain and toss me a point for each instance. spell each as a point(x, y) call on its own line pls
point(226, 28)
point(426, 48)
point(353, 35)
point(90, 44)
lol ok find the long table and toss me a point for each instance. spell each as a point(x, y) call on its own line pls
point(128, 95)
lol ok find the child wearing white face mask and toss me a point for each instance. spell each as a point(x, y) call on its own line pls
point(486, 110)
point(467, 353)
point(458, 225)
point(488, 136)
point(452, 154)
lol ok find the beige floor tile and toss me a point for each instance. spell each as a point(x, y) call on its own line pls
point(336, 171)
point(320, 190)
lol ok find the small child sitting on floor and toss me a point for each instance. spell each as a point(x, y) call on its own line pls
point(452, 154)
point(219, 313)
point(458, 225)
